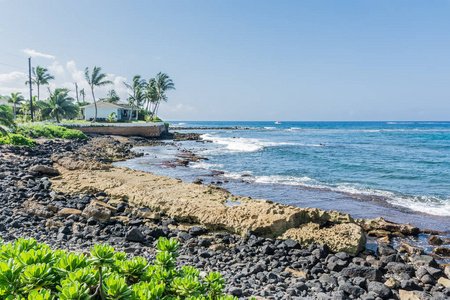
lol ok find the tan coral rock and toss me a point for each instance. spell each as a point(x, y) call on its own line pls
point(35, 209)
point(53, 225)
point(345, 237)
point(97, 212)
point(383, 224)
point(65, 212)
point(408, 295)
point(297, 273)
point(192, 203)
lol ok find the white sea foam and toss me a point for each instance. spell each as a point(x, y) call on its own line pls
point(205, 165)
point(270, 128)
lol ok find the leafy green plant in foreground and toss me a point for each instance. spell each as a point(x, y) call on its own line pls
point(29, 270)
point(16, 139)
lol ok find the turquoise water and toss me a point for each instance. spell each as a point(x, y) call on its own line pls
point(398, 170)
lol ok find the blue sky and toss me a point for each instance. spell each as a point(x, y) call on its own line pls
point(245, 60)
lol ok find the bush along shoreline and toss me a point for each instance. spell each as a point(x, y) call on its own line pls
point(30, 270)
point(24, 135)
point(251, 265)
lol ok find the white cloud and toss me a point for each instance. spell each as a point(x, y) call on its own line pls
point(66, 75)
point(13, 82)
point(56, 69)
point(34, 53)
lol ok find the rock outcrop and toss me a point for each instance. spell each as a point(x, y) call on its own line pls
point(205, 205)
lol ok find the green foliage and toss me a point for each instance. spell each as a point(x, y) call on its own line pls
point(32, 271)
point(59, 105)
point(17, 139)
point(6, 119)
point(154, 119)
point(112, 117)
point(50, 131)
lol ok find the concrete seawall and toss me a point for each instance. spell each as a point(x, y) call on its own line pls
point(126, 129)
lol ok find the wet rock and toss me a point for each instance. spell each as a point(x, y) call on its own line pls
point(435, 240)
point(412, 249)
point(383, 224)
point(44, 170)
point(385, 250)
point(442, 251)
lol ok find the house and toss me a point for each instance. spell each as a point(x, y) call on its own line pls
point(104, 110)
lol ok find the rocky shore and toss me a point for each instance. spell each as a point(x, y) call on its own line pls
point(67, 194)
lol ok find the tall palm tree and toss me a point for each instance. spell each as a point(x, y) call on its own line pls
point(60, 105)
point(163, 84)
point(137, 96)
point(6, 119)
point(40, 77)
point(96, 79)
point(151, 94)
point(15, 99)
point(83, 94)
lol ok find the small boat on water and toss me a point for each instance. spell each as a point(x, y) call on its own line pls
point(277, 122)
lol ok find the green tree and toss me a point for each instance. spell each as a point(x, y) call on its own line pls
point(82, 94)
point(40, 77)
point(6, 119)
point(60, 105)
point(96, 79)
point(151, 94)
point(138, 93)
point(112, 97)
point(162, 85)
point(15, 99)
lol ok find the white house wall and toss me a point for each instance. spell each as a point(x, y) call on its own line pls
point(101, 112)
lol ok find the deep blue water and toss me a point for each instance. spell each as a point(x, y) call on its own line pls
point(398, 170)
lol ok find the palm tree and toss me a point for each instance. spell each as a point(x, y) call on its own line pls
point(95, 79)
point(151, 94)
point(60, 105)
point(112, 97)
point(15, 99)
point(137, 97)
point(26, 107)
point(163, 84)
point(83, 94)
point(6, 119)
point(41, 77)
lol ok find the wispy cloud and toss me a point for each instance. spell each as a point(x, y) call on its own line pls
point(34, 53)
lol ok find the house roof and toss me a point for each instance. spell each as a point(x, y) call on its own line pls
point(104, 104)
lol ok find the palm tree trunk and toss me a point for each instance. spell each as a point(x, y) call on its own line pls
point(14, 106)
point(38, 90)
point(95, 105)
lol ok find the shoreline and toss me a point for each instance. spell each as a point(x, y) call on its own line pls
point(252, 270)
point(245, 185)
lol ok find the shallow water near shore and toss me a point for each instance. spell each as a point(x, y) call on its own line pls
point(400, 171)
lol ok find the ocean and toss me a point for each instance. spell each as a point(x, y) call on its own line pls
point(396, 170)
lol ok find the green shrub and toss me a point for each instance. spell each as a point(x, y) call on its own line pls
point(29, 270)
point(50, 131)
point(16, 139)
